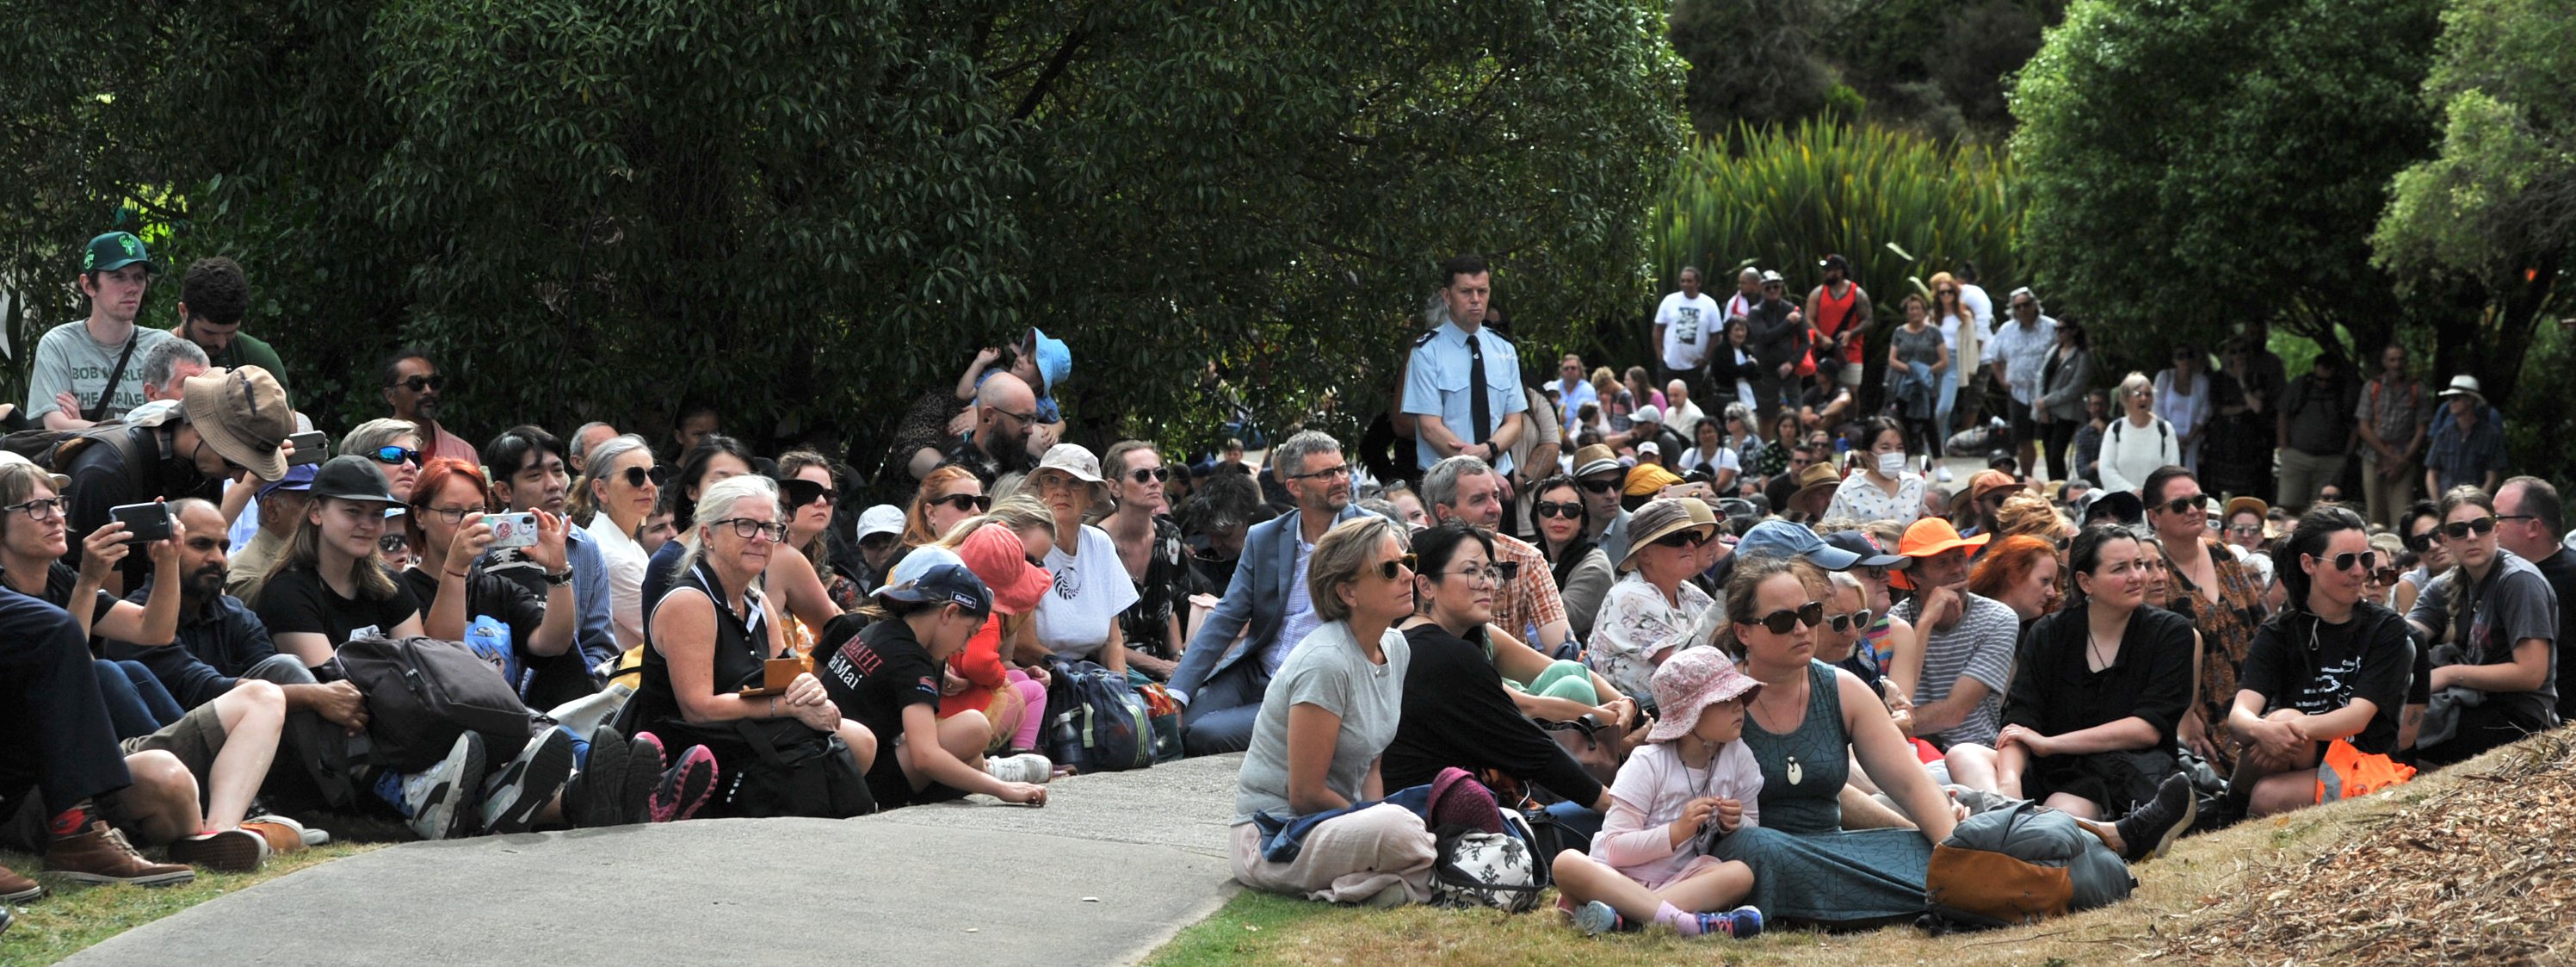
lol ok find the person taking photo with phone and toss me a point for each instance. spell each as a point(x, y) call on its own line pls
point(450, 528)
point(228, 422)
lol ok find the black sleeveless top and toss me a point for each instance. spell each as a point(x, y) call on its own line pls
point(741, 646)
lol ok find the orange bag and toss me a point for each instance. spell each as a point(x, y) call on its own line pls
point(2348, 773)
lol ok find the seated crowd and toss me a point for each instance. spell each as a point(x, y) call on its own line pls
point(1748, 673)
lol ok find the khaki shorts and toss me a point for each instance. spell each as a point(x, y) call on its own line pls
point(196, 739)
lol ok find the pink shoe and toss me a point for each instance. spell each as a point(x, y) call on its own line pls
point(686, 786)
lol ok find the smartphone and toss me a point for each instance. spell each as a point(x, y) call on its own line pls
point(144, 522)
point(313, 447)
point(513, 530)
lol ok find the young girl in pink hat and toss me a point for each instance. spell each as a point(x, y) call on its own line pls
point(1693, 782)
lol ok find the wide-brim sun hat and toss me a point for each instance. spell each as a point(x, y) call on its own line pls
point(1078, 461)
point(1596, 458)
point(1690, 681)
point(1819, 477)
point(1658, 519)
point(2464, 386)
point(243, 414)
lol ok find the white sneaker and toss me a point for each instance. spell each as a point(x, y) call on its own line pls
point(1025, 767)
point(435, 796)
point(1941, 473)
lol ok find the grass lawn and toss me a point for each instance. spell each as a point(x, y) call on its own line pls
point(70, 917)
point(2201, 872)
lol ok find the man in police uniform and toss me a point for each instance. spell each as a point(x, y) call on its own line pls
point(1463, 383)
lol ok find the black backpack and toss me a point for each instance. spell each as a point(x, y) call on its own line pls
point(795, 771)
point(1095, 720)
point(423, 692)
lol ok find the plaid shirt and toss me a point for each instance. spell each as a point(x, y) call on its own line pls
point(1532, 601)
point(2458, 457)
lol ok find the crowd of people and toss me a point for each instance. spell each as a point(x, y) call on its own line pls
point(1643, 607)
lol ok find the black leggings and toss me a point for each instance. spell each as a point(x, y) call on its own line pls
point(2482, 727)
point(2056, 437)
point(1926, 431)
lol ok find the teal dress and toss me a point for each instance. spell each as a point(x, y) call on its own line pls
point(1806, 867)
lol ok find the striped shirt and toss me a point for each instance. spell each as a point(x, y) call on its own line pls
point(1980, 647)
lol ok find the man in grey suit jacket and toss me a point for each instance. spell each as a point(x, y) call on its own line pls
point(1221, 677)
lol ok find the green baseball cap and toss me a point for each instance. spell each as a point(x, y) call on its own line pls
point(116, 250)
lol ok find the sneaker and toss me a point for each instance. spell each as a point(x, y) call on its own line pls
point(685, 786)
point(1026, 767)
point(2146, 833)
point(17, 889)
point(227, 851)
point(644, 765)
point(102, 855)
point(1740, 923)
point(284, 835)
point(513, 797)
point(593, 800)
point(431, 797)
point(1596, 918)
point(1941, 473)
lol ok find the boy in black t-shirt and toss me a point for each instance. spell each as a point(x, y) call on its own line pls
point(887, 677)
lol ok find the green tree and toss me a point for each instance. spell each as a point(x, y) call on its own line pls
point(811, 212)
point(2195, 163)
point(2488, 219)
point(1752, 61)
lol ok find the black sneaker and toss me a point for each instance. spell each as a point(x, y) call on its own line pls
point(592, 799)
point(513, 797)
point(2149, 831)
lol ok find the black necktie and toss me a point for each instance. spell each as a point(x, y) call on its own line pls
point(1484, 408)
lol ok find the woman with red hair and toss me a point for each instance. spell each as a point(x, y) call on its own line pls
point(527, 637)
point(2020, 571)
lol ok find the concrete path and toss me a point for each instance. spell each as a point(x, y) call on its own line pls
point(1111, 868)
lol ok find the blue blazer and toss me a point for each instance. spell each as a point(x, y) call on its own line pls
point(1258, 597)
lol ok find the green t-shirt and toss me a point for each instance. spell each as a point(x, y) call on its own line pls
point(249, 350)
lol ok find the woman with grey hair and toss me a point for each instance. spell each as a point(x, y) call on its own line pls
point(714, 632)
point(1325, 722)
point(1078, 618)
point(395, 447)
point(618, 490)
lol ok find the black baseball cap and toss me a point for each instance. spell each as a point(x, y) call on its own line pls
point(353, 477)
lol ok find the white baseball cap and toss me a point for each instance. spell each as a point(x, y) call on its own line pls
point(880, 519)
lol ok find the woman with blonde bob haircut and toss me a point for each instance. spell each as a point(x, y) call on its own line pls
point(1325, 722)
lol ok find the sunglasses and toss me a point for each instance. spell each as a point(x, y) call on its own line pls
point(1855, 621)
point(2246, 530)
point(392, 543)
point(1870, 573)
point(1688, 538)
point(1597, 486)
point(962, 502)
point(2343, 562)
point(2385, 575)
point(1779, 622)
point(2459, 530)
point(2182, 505)
point(1500, 572)
point(418, 383)
point(1142, 475)
point(802, 492)
point(1569, 510)
point(1398, 567)
point(655, 475)
point(2422, 539)
point(397, 456)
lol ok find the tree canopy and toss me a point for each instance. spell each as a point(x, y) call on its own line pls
point(810, 212)
point(2192, 164)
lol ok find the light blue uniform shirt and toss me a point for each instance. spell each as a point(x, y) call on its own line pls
point(1439, 381)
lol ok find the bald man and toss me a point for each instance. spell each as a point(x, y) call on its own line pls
point(1000, 443)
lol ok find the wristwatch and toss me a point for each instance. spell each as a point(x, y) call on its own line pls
point(559, 579)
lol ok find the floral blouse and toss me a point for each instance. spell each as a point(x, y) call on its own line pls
point(1635, 624)
point(1169, 581)
point(1860, 499)
point(2226, 626)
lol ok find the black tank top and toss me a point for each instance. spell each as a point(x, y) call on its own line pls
point(741, 646)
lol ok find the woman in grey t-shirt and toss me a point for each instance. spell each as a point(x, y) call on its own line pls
point(1327, 717)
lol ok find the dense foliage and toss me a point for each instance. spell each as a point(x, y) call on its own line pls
point(2194, 164)
point(1900, 206)
point(809, 212)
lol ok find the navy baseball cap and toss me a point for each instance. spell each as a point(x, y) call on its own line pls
point(297, 478)
point(939, 576)
point(1871, 555)
point(1779, 538)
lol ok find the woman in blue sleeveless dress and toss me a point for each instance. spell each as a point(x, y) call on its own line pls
point(1804, 726)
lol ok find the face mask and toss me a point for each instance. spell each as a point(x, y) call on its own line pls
point(1891, 464)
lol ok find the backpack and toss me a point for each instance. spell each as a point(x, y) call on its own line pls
point(1095, 722)
point(1163, 716)
point(423, 692)
point(55, 449)
point(1479, 869)
point(795, 771)
point(2019, 865)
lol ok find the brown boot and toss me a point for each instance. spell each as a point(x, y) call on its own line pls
point(101, 855)
point(18, 889)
